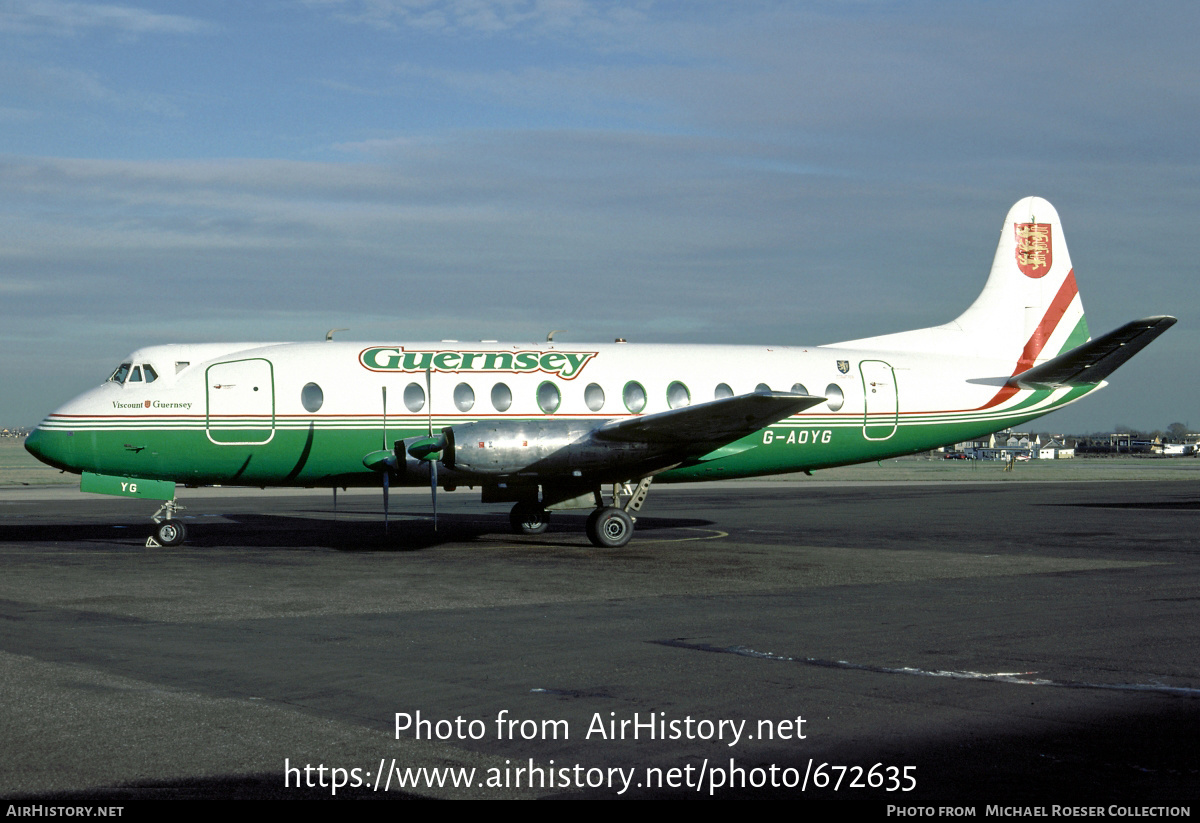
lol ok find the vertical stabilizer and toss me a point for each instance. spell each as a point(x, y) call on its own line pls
point(1030, 309)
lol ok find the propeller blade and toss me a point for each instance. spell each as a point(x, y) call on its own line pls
point(386, 463)
point(429, 397)
point(433, 489)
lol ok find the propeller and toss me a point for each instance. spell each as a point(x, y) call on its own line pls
point(387, 469)
point(433, 489)
point(423, 449)
point(429, 396)
point(428, 450)
point(383, 461)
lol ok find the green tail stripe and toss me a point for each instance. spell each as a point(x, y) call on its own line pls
point(1079, 336)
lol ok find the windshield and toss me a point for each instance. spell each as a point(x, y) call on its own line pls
point(129, 373)
point(120, 374)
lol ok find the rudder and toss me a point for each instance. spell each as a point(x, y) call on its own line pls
point(1030, 308)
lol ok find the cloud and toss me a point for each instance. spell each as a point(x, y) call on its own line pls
point(39, 84)
point(749, 172)
point(484, 16)
point(63, 19)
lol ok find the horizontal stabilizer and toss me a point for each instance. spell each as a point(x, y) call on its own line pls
point(708, 425)
point(1095, 359)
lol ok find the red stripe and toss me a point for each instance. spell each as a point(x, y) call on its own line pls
point(1058, 307)
point(1033, 347)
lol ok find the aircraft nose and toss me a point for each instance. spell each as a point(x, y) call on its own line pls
point(49, 447)
point(35, 444)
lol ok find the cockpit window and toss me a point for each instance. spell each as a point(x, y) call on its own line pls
point(120, 374)
point(136, 375)
point(151, 374)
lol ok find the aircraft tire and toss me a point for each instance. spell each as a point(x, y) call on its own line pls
point(529, 518)
point(170, 533)
point(609, 527)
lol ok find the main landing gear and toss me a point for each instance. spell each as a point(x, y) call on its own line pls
point(168, 531)
point(608, 527)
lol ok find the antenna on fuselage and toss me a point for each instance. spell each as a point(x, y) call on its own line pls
point(329, 334)
point(550, 336)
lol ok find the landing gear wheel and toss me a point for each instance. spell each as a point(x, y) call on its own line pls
point(609, 528)
point(529, 518)
point(170, 533)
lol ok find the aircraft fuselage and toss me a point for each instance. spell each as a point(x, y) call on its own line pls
point(240, 417)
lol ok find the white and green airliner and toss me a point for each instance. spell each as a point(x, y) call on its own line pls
point(548, 426)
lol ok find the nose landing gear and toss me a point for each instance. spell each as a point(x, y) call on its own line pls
point(529, 518)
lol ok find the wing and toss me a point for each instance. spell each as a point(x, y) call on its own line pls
point(696, 430)
point(1095, 359)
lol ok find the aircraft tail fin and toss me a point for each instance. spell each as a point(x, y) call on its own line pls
point(1030, 308)
point(1029, 316)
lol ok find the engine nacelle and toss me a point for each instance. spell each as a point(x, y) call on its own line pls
point(531, 448)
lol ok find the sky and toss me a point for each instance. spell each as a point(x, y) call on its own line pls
point(750, 172)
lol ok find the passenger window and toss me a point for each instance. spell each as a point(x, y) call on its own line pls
point(414, 397)
point(834, 396)
point(548, 397)
point(678, 395)
point(311, 397)
point(464, 397)
point(151, 374)
point(136, 375)
point(593, 396)
point(634, 396)
point(501, 397)
point(723, 390)
point(798, 388)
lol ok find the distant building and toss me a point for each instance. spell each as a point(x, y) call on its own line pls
point(1055, 450)
point(1001, 445)
point(1179, 449)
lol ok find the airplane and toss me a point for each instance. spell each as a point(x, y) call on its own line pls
point(548, 426)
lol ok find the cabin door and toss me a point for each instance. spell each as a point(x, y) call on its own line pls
point(881, 408)
point(241, 402)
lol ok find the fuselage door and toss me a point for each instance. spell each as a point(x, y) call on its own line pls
point(241, 402)
point(881, 408)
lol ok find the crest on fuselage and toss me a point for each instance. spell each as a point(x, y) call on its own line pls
point(843, 366)
point(1035, 248)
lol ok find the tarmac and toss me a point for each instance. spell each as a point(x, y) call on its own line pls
point(904, 643)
